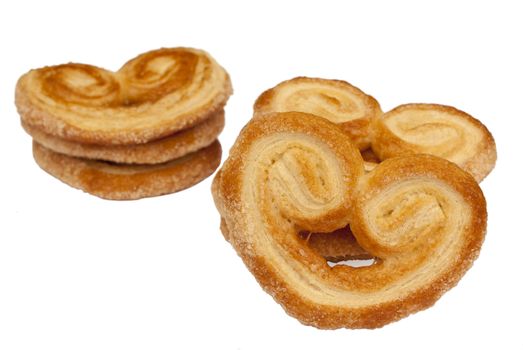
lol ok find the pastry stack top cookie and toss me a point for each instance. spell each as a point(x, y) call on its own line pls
point(148, 129)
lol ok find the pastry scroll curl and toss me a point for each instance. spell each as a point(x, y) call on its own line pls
point(334, 100)
point(439, 130)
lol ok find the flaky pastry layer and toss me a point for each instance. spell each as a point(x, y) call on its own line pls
point(154, 152)
point(123, 181)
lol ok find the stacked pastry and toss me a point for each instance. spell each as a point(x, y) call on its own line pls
point(148, 129)
point(296, 193)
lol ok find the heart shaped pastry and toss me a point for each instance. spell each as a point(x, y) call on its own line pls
point(151, 96)
point(421, 217)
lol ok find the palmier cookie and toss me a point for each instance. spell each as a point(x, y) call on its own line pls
point(335, 100)
point(153, 152)
point(152, 96)
point(421, 217)
point(435, 129)
point(123, 181)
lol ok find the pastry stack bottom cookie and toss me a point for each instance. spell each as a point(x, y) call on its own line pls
point(163, 166)
point(148, 129)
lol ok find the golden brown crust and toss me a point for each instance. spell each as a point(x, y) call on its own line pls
point(152, 96)
point(121, 181)
point(154, 152)
point(335, 100)
point(422, 217)
point(439, 130)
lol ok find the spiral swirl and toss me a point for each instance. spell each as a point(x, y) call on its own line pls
point(438, 130)
point(151, 96)
point(80, 84)
point(422, 217)
point(334, 100)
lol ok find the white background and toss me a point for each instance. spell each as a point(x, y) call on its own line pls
point(78, 272)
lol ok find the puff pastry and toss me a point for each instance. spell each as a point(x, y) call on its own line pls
point(152, 96)
point(123, 181)
point(335, 100)
point(422, 217)
point(440, 130)
point(154, 152)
